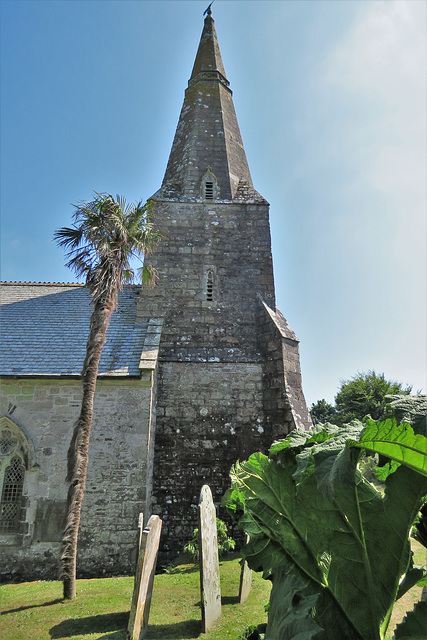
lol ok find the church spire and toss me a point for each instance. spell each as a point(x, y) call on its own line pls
point(208, 64)
point(207, 159)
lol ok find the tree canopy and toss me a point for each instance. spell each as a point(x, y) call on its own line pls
point(363, 395)
point(107, 233)
point(322, 412)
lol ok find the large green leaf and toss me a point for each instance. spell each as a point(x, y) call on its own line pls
point(414, 576)
point(290, 612)
point(299, 438)
point(413, 626)
point(308, 508)
point(273, 517)
point(412, 409)
point(397, 442)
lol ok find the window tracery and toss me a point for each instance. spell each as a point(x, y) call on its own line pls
point(13, 465)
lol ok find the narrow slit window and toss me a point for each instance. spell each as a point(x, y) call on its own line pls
point(209, 190)
point(209, 286)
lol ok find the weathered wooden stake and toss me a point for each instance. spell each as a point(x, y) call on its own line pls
point(245, 582)
point(144, 578)
point(245, 579)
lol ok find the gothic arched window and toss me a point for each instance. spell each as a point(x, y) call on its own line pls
point(13, 464)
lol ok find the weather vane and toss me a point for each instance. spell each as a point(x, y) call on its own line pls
point(208, 10)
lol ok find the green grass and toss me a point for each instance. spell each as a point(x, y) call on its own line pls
point(408, 601)
point(101, 610)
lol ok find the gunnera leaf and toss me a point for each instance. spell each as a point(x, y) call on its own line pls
point(290, 614)
point(412, 409)
point(419, 532)
point(323, 455)
point(413, 626)
point(414, 576)
point(344, 539)
point(397, 442)
point(298, 439)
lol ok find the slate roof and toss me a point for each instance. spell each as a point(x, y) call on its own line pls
point(44, 329)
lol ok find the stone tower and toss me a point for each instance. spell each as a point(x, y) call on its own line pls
point(196, 373)
point(229, 378)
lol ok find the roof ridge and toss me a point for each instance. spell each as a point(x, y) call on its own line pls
point(44, 284)
point(25, 283)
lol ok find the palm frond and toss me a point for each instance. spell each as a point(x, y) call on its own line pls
point(148, 275)
point(107, 233)
point(68, 237)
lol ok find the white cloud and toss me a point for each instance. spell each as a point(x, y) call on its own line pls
point(368, 118)
point(381, 65)
point(385, 45)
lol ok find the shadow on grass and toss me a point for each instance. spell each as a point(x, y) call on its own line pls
point(229, 600)
point(91, 624)
point(187, 630)
point(114, 626)
point(31, 606)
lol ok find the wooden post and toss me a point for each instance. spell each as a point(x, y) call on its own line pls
point(144, 578)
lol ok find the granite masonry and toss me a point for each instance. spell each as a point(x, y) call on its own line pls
point(196, 373)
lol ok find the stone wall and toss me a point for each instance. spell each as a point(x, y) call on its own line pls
point(233, 242)
point(208, 416)
point(45, 411)
point(284, 402)
point(221, 388)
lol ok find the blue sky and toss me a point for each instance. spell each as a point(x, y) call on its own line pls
point(331, 102)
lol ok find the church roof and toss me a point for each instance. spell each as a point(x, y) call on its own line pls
point(207, 139)
point(44, 329)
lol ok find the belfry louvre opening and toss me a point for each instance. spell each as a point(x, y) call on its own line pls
point(209, 190)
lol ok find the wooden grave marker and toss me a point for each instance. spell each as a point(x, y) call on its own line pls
point(144, 578)
point(245, 579)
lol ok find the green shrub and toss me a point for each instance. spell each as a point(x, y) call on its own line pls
point(225, 543)
point(254, 632)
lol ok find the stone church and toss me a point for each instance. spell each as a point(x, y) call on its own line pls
point(196, 373)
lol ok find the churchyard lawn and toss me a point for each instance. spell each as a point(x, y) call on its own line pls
point(35, 609)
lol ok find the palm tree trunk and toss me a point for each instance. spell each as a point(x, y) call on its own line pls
point(78, 451)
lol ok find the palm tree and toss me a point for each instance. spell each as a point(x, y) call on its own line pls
point(106, 234)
